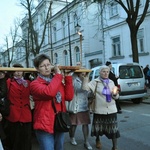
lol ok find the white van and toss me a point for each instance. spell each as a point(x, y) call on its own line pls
point(131, 81)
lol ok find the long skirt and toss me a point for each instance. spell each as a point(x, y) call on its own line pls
point(105, 125)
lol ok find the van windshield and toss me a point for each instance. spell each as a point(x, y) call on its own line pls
point(126, 72)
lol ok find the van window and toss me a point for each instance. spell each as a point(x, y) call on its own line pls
point(96, 73)
point(126, 72)
point(91, 75)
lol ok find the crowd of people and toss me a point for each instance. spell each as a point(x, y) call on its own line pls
point(69, 92)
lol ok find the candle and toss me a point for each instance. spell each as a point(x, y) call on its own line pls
point(115, 90)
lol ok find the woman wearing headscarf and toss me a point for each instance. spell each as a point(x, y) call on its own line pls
point(105, 111)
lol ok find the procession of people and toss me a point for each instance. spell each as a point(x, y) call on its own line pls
point(70, 91)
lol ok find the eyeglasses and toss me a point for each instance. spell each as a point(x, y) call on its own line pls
point(45, 66)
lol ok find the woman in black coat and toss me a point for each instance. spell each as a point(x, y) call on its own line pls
point(3, 93)
point(114, 78)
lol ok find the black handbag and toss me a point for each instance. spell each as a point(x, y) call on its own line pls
point(62, 120)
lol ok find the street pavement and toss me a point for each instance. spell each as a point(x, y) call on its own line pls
point(146, 99)
point(106, 143)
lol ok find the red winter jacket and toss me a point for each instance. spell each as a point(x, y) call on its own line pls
point(18, 95)
point(43, 94)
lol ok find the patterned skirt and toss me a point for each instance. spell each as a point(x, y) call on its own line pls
point(105, 125)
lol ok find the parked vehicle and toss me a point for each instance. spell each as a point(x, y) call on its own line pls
point(131, 81)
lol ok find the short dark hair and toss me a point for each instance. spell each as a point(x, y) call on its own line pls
point(39, 59)
point(17, 66)
point(108, 63)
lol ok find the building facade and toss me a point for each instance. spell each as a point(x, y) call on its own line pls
point(103, 34)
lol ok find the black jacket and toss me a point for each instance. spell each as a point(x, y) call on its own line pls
point(3, 88)
point(113, 77)
point(3, 93)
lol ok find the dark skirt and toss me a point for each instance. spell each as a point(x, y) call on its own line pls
point(105, 125)
point(80, 118)
point(18, 136)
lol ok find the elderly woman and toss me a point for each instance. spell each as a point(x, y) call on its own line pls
point(105, 111)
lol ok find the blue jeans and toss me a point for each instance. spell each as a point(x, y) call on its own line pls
point(49, 141)
point(1, 146)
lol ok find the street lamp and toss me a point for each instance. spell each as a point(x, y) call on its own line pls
point(78, 30)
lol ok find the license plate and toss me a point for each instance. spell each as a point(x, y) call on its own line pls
point(133, 84)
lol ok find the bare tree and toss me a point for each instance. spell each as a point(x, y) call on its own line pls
point(134, 20)
point(11, 42)
point(34, 42)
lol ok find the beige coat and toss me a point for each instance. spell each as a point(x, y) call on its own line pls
point(100, 105)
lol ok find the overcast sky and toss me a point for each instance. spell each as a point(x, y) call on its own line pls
point(8, 11)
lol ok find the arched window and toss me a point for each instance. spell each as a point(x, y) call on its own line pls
point(54, 32)
point(77, 53)
point(63, 29)
point(56, 58)
point(65, 53)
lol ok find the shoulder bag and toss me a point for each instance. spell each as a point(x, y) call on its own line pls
point(62, 120)
point(91, 99)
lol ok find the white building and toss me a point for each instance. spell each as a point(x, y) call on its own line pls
point(104, 34)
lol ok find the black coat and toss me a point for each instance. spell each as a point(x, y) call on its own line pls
point(113, 78)
point(3, 93)
point(3, 88)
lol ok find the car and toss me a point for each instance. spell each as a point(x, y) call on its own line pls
point(131, 81)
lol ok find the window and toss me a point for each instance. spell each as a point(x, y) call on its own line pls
point(42, 17)
point(113, 9)
point(54, 30)
point(35, 23)
point(77, 52)
point(63, 29)
point(56, 58)
point(116, 51)
point(75, 22)
point(140, 40)
point(126, 72)
point(66, 58)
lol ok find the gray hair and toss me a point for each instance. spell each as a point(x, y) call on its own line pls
point(104, 67)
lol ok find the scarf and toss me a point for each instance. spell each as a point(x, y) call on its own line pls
point(21, 81)
point(106, 90)
point(48, 79)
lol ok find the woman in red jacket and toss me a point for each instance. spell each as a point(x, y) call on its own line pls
point(44, 89)
point(19, 130)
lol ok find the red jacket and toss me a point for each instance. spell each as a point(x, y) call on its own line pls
point(20, 103)
point(43, 94)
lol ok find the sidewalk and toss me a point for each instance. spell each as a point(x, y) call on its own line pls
point(146, 99)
